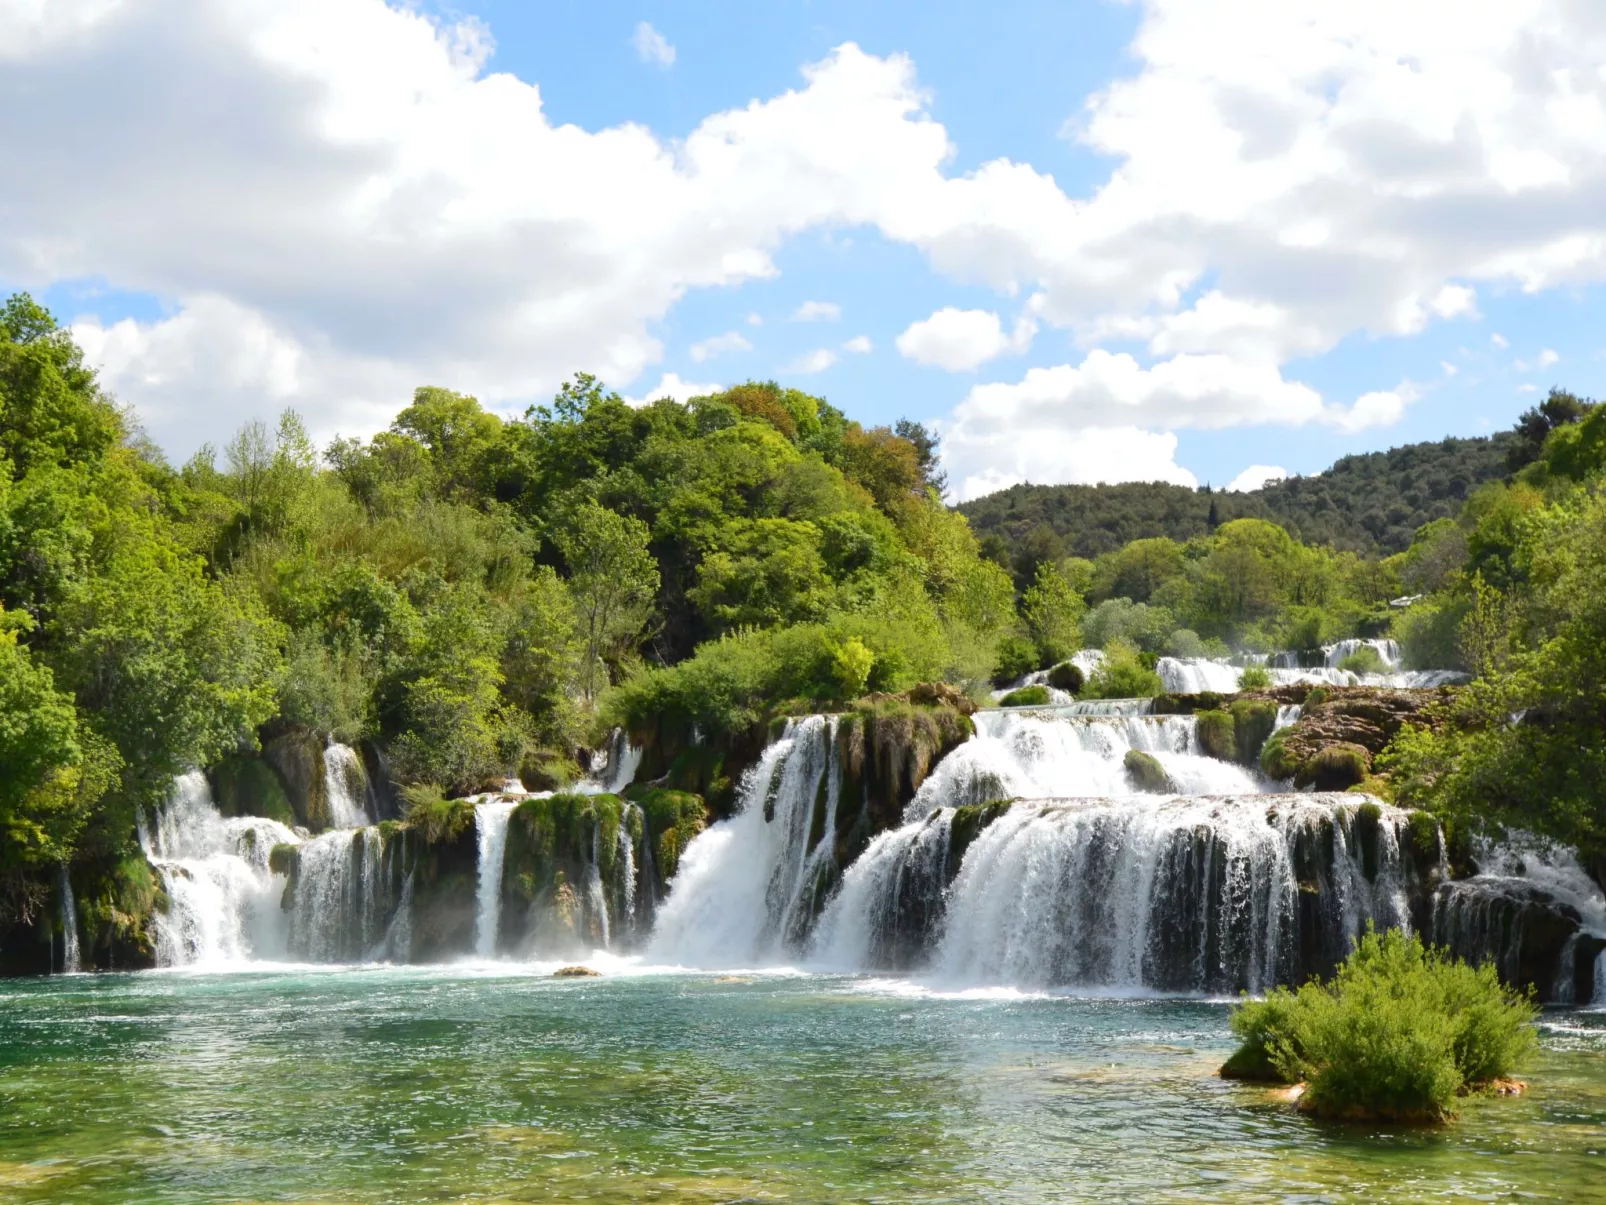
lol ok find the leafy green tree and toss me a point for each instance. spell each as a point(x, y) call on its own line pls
point(612, 578)
point(768, 572)
point(1052, 609)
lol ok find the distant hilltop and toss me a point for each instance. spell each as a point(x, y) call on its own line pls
point(1371, 503)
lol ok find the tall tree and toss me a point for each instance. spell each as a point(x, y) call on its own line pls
point(612, 577)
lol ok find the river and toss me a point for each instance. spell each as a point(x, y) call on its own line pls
point(494, 1082)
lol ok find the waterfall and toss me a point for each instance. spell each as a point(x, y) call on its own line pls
point(222, 898)
point(1534, 912)
point(1194, 675)
point(1036, 754)
point(1171, 894)
point(1387, 650)
point(345, 785)
point(490, 828)
point(747, 887)
point(890, 901)
point(71, 960)
point(617, 769)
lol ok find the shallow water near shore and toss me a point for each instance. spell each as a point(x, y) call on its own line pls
point(495, 1083)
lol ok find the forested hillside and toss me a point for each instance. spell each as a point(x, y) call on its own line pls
point(467, 597)
point(1371, 503)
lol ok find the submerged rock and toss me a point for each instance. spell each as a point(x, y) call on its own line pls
point(1147, 774)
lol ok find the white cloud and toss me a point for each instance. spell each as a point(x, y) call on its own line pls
point(1448, 368)
point(817, 311)
point(1499, 342)
point(1052, 455)
point(755, 320)
point(707, 349)
point(1527, 389)
point(671, 386)
point(1547, 357)
point(961, 340)
point(333, 179)
point(652, 47)
point(1023, 430)
point(1256, 476)
point(859, 345)
point(812, 362)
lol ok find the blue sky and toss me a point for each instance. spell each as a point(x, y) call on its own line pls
point(1086, 241)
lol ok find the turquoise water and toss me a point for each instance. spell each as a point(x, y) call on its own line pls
point(403, 1085)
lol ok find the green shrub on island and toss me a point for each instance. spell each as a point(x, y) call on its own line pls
point(432, 815)
point(1396, 1035)
point(1026, 696)
point(1122, 675)
point(1254, 677)
point(1364, 660)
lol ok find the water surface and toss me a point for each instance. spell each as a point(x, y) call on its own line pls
point(488, 1084)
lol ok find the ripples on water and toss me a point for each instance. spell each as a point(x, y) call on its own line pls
point(485, 1083)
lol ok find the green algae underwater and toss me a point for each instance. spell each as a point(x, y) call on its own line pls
point(489, 1083)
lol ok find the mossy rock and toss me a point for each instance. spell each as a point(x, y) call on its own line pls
point(282, 858)
point(1276, 761)
point(967, 824)
point(542, 770)
point(1145, 773)
point(673, 820)
point(1335, 768)
point(1377, 785)
point(249, 786)
point(297, 757)
point(1067, 677)
point(1254, 721)
point(1218, 734)
point(1027, 696)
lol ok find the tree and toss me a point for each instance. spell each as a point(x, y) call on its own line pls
point(1052, 609)
point(612, 577)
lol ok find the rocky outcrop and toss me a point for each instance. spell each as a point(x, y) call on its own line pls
point(296, 757)
point(248, 785)
point(887, 746)
point(1341, 729)
point(1145, 773)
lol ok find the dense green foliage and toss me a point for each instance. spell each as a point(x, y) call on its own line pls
point(1371, 503)
point(1397, 1033)
point(1521, 597)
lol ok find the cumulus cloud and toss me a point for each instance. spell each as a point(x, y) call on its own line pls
point(707, 349)
point(859, 345)
point(671, 386)
point(961, 340)
point(1256, 476)
point(817, 311)
point(811, 362)
point(1019, 428)
point(1545, 359)
point(330, 180)
point(652, 47)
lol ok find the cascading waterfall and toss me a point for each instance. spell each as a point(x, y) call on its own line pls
point(1527, 898)
point(490, 828)
point(345, 784)
point(616, 770)
point(223, 900)
point(71, 959)
point(1038, 754)
point(1170, 893)
point(349, 890)
point(747, 886)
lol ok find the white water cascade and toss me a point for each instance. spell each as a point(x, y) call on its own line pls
point(1037, 754)
point(490, 830)
point(345, 784)
point(223, 900)
point(615, 771)
point(744, 891)
point(71, 960)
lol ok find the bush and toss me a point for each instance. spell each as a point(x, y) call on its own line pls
point(1122, 676)
point(1254, 677)
point(1067, 677)
point(1364, 660)
point(1017, 657)
point(1397, 1033)
point(1026, 696)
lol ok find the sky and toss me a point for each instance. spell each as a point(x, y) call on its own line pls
point(1084, 240)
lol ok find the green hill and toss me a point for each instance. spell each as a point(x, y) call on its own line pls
point(1370, 503)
